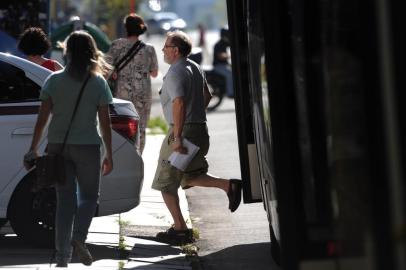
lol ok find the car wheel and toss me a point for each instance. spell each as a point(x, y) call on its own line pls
point(32, 214)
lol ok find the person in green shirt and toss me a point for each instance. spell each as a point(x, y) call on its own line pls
point(77, 198)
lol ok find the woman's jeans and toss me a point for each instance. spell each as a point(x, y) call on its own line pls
point(77, 199)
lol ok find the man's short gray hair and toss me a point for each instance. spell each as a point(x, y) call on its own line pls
point(182, 41)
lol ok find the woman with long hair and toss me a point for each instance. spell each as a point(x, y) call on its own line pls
point(77, 198)
point(134, 79)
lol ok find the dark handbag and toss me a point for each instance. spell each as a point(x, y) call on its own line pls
point(112, 82)
point(50, 168)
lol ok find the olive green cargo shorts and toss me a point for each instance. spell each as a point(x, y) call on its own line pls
point(168, 178)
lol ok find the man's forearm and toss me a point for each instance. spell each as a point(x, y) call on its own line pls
point(178, 115)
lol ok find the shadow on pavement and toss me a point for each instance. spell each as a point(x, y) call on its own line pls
point(151, 250)
point(15, 252)
point(11, 241)
point(251, 256)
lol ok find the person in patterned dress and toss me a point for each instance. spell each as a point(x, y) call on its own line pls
point(134, 80)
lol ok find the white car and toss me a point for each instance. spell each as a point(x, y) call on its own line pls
point(31, 214)
point(163, 22)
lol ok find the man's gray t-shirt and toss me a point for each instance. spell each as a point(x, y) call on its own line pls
point(184, 79)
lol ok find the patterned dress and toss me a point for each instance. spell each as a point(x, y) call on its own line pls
point(134, 80)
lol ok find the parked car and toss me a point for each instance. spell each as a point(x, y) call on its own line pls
point(163, 22)
point(31, 214)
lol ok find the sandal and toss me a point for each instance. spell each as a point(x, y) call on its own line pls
point(176, 237)
point(234, 194)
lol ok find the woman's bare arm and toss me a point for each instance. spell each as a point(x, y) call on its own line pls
point(105, 128)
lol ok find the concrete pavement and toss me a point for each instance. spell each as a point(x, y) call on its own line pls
point(103, 239)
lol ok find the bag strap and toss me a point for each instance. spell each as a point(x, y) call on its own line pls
point(74, 110)
point(135, 45)
point(130, 56)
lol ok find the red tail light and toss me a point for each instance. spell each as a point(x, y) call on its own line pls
point(125, 126)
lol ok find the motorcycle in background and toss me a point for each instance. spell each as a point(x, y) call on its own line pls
point(216, 81)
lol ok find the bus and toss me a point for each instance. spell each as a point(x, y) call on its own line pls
point(319, 103)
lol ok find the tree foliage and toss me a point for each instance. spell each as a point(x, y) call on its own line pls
point(109, 13)
point(110, 10)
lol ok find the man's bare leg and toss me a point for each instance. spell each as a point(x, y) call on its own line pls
point(172, 203)
point(231, 187)
point(207, 180)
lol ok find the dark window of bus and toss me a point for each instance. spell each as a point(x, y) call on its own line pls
point(15, 86)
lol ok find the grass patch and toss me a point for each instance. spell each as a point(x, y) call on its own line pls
point(122, 247)
point(190, 249)
point(121, 243)
point(121, 265)
point(195, 233)
point(157, 125)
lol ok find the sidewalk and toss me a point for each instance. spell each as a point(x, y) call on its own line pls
point(144, 253)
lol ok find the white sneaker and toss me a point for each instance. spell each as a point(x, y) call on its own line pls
point(82, 252)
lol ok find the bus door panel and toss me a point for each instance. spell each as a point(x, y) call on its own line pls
point(250, 171)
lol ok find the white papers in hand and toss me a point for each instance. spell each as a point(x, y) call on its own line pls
point(181, 161)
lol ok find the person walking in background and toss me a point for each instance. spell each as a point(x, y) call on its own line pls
point(202, 35)
point(221, 59)
point(134, 79)
point(34, 43)
point(77, 198)
point(184, 97)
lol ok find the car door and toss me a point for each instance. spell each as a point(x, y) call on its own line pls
point(19, 106)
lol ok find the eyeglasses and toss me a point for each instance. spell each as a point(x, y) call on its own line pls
point(169, 46)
